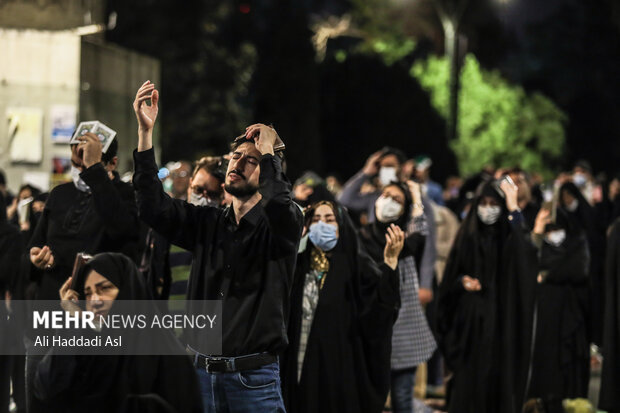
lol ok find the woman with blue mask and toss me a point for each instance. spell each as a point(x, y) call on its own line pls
point(485, 305)
point(412, 339)
point(343, 306)
point(560, 364)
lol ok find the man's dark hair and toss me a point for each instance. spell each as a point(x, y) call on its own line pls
point(212, 165)
point(238, 142)
point(2, 178)
point(400, 155)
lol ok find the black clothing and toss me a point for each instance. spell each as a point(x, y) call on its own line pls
point(609, 399)
point(75, 221)
point(486, 335)
point(248, 266)
point(118, 383)
point(585, 216)
point(561, 360)
point(346, 365)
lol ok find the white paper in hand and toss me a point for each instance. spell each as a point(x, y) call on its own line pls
point(104, 133)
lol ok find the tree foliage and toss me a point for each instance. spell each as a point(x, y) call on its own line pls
point(499, 123)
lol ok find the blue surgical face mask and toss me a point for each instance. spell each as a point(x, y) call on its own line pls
point(323, 236)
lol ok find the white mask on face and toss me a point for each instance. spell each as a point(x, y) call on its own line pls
point(197, 200)
point(489, 214)
point(77, 181)
point(579, 179)
point(555, 238)
point(387, 209)
point(572, 207)
point(387, 174)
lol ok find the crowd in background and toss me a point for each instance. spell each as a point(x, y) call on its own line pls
point(503, 283)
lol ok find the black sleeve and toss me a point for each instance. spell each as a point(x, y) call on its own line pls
point(178, 221)
point(116, 208)
point(284, 216)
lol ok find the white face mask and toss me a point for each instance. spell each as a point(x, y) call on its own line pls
point(555, 238)
point(489, 214)
point(387, 174)
point(580, 179)
point(197, 200)
point(387, 209)
point(572, 207)
point(77, 181)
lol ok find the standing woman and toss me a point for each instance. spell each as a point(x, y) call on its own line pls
point(412, 339)
point(343, 307)
point(561, 359)
point(486, 306)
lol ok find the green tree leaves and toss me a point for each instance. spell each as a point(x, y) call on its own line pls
point(499, 123)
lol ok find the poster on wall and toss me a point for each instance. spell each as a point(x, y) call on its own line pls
point(25, 135)
point(61, 170)
point(62, 118)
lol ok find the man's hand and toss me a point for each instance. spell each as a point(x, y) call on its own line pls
point(264, 137)
point(425, 295)
point(395, 240)
point(42, 258)
point(511, 195)
point(372, 164)
point(90, 149)
point(542, 219)
point(471, 284)
point(145, 114)
point(68, 297)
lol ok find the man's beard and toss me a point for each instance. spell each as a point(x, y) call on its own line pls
point(241, 191)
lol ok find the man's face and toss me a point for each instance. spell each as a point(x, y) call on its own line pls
point(390, 161)
point(205, 184)
point(242, 176)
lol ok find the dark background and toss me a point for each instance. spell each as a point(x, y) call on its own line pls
point(231, 63)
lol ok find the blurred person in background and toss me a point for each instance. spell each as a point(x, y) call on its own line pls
point(609, 398)
point(584, 180)
point(180, 175)
point(561, 358)
point(334, 185)
point(381, 168)
point(17, 212)
point(485, 305)
point(423, 175)
point(11, 249)
point(412, 340)
point(310, 188)
point(343, 306)
point(574, 203)
point(451, 193)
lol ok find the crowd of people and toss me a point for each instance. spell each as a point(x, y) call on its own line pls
point(490, 291)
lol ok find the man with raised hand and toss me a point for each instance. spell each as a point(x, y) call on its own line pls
point(244, 255)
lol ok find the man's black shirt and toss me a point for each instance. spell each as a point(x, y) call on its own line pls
point(104, 220)
point(249, 266)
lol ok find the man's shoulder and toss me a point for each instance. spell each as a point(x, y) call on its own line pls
point(63, 190)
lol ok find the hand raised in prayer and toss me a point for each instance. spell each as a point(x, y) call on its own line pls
point(145, 114)
point(395, 240)
point(90, 149)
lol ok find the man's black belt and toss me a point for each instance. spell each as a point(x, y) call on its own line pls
point(213, 364)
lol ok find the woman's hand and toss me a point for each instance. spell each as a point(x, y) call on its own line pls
point(68, 297)
point(542, 219)
point(471, 284)
point(395, 240)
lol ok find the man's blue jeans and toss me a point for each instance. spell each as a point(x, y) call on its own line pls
point(246, 391)
point(402, 390)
